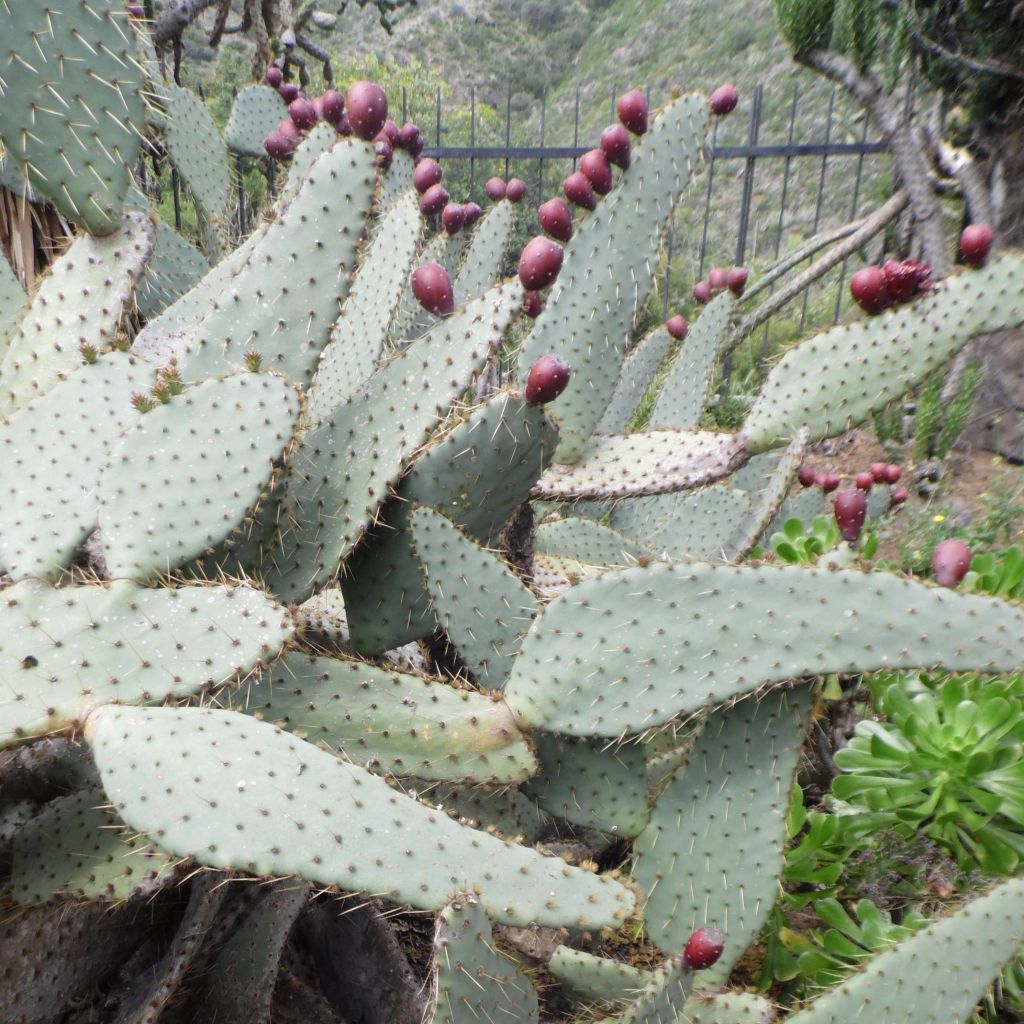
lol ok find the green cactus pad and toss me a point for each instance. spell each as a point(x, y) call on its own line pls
point(587, 541)
point(470, 979)
point(13, 304)
point(693, 524)
point(79, 303)
point(627, 465)
point(174, 268)
point(411, 318)
point(684, 392)
point(289, 808)
point(256, 112)
point(607, 272)
point(324, 615)
point(341, 471)
point(481, 604)
point(395, 180)
point(715, 845)
point(55, 448)
point(283, 302)
point(74, 849)
point(65, 649)
point(662, 999)
point(503, 440)
point(596, 978)
point(592, 784)
point(727, 1008)
point(189, 471)
point(637, 374)
point(838, 378)
point(72, 112)
point(391, 721)
point(485, 252)
point(359, 335)
point(195, 146)
point(804, 504)
point(504, 811)
point(320, 139)
point(712, 633)
point(938, 974)
point(554, 574)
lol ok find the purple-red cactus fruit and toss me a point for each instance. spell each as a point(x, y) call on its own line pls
point(546, 380)
point(433, 288)
point(615, 143)
point(632, 111)
point(540, 262)
point(950, 561)
point(555, 218)
point(367, 108)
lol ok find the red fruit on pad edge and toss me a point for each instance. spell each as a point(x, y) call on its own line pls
point(540, 262)
point(632, 110)
point(433, 289)
point(724, 99)
point(868, 289)
point(367, 108)
point(677, 327)
point(555, 218)
point(850, 509)
point(703, 949)
point(615, 143)
point(546, 380)
point(976, 243)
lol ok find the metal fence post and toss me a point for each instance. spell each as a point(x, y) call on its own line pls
point(821, 191)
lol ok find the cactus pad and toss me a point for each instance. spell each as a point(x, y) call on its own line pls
point(175, 266)
point(587, 541)
point(596, 978)
point(195, 146)
point(637, 374)
point(256, 112)
point(485, 253)
point(293, 809)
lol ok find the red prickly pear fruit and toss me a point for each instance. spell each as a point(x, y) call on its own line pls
point(515, 190)
point(892, 473)
point(416, 148)
point(382, 147)
point(950, 561)
point(736, 281)
point(632, 111)
point(851, 507)
point(546, 380)
point(976, 243)
point(702, 291)
point(273, 77)
point(703, 949)
point(135, 11)
point(677, 327)
point(868, 289)
point(433, 289)
point(540, 262)
point(597, 170)
point(289, 91)
point(470, 214)
point(408, 134)
point(724, 99)
point(898, 495)
point(864, 481)
point(828, 482)
point(615, 143)
point(390, 132)
point(495, 188)
point(905, 278)
point(878, 472)
point(367, 108)
point(555, 218)
point(343, 126)
point(278, 145)
point(453, 217)
point(806, 475)
point(302, 112)
point(434, 200)
point(718, 280)
point(532, 304)
point(332, 106)
point(425, 174)
point(578, 190)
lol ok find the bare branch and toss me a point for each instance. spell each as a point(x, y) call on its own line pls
point(175, 17)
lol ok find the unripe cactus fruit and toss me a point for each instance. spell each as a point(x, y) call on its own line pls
point(434, 200)
point(540, 262)
point(898, 496)
point(806, 475)
point(495, 188)
point(555, 218)
point(515, 190)
point(736, 281)
point(453, 216)
point(532, 304)
point(470, 214)
point(950, 561)
point(878, 472)
point(828, 482)
point(578, 190)
point(332, 106)
point(546, 380)
point(367, 109)
point(868, 289)
point(677, 327)
point(703, 949)
point(718, 280)
point(433, 289)
point(892, 473)
point(598, 171)
point(615, 144)
point(702, 291)
point(302, 112)
point(289, 91)
point(632, 111)
point(273, 77)
point(850, 509)
point(865, 481)
point(976, 243)
point(425, 174)
point(724, 99)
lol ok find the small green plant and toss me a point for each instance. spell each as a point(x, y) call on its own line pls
point(798, 545)
point(1002, 575)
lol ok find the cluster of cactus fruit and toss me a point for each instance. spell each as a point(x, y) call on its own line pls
point(344, 428)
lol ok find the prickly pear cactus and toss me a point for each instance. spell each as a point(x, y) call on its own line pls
point(221, 548)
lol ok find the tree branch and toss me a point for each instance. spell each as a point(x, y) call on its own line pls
point(175, 17)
